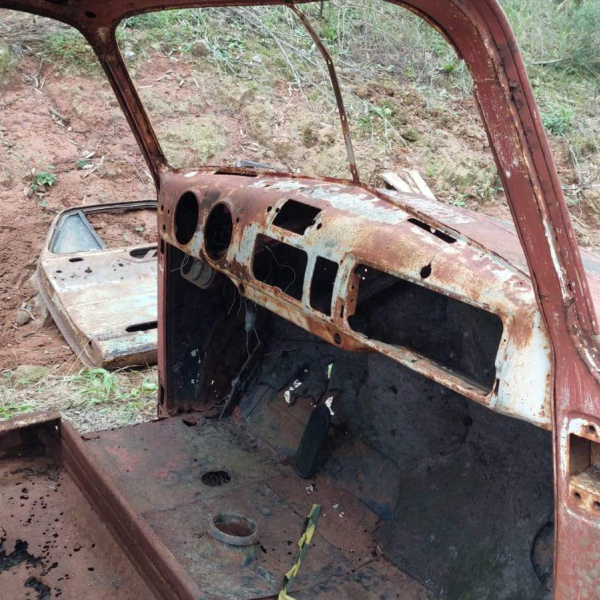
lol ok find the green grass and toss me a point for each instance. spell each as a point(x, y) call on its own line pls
point(93, 398)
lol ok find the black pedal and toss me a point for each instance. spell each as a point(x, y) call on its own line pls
point(309, 451)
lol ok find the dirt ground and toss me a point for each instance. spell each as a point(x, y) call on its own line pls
point(32, 139)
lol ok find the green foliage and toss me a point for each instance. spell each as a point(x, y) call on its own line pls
point(99, 386)
point(558, 119)
point(40, 181)
point(82, 163)
point(67, 47)
point(12, 409)
point(45, 178)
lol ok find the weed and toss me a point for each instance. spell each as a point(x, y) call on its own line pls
point(12, 409)
point(82, 163)
point(558, 119)
point(39, 182)
point(67, 47)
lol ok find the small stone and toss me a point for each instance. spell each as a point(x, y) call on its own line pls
point(25, 375)
point(6, 180)
point(23, 317)
point(410, 135)
point(198, 50)
point(257, 59)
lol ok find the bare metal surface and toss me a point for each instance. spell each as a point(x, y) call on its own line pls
point(52, 543)
point(165, 486)
point(96, 295)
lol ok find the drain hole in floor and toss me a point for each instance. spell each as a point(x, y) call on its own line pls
point(216, 478)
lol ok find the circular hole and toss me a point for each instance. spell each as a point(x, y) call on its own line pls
point(234, 525)
point(233, 529)
point(215, 478)
point(186, 218)
point(237, 220)
point(90, 15)
point(596, 506)
point(577, 497)
point(337, 338)
point(269, 208)
point(218, 231)
point(164, 227)
point(319, 225)
point(591, 429)
point(426, 271)
point(162, 208)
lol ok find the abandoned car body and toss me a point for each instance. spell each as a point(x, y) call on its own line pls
point(421, 307)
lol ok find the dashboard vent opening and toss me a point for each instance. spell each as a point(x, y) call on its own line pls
point(438, 234)
point(296, 217)
point(323, 281)
point(279, 265)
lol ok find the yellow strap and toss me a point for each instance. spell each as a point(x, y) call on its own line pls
point(303, 544)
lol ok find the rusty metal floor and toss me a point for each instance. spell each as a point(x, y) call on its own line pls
point(165, 486)
point(52, 544)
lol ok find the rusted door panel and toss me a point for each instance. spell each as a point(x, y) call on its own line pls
point(103, 300)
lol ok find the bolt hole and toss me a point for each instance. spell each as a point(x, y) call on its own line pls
point(269, 208)
point(596, 506)
point(162, 208)
point(164, 227)
point(215, 478)
point(237, 220)
point(591, 429)
point(425, 271)
point(337, 338)
point(577, 497)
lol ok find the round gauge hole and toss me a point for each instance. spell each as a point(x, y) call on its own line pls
point(218, 231)
point(186, 265)
point(215, 478)
point(186, 218)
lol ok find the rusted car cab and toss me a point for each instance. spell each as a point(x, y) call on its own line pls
point(457, 357)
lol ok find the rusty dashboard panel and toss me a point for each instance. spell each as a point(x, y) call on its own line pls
point(321, 254)
point(103, 299)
